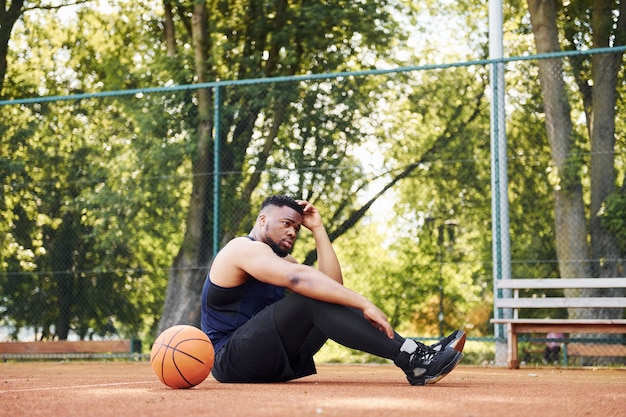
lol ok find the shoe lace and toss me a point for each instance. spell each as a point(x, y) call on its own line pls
point(423, 352)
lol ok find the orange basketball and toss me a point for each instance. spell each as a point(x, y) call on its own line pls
point(182, 356)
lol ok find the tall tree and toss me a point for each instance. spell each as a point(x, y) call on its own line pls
point(590, 24)
point(185, 277)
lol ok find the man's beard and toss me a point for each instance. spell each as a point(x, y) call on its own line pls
point(276, 248)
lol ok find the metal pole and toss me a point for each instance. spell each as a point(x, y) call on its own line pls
point(440, 244)
point(501, 247)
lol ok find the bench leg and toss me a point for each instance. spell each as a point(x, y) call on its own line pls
point(512, 337)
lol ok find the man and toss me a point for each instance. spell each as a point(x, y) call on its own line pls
point(261, 335)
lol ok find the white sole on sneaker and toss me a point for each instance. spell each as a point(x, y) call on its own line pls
point(447, 369)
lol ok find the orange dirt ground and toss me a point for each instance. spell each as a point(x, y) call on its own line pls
point(96, 389)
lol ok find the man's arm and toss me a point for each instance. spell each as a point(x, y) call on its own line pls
point(246, 258)
point(327, 261)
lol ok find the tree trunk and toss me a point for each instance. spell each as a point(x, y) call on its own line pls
point(63, 251)
point(182, 299)
point(570, 224)
point(604, 70)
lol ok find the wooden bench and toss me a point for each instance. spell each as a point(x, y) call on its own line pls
point(516, 324)
point(86, 349)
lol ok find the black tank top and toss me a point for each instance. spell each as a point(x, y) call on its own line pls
point(225, 309)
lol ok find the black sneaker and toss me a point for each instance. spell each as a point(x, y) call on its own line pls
point(427, 365)
point(455, 340)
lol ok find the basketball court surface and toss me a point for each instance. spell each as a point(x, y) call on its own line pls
point(95, 389)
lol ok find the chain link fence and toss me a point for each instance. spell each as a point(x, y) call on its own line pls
point(100, 190)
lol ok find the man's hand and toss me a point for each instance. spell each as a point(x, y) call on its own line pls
point(311, 218)
point(378, 319)
point(327, 261)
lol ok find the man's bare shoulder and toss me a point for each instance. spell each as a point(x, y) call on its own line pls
point(228, 267)
point(242, 241)
point(238, 246)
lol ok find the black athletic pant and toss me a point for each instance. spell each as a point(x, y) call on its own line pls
point(301, 320)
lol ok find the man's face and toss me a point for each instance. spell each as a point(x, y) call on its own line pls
point(281, 226)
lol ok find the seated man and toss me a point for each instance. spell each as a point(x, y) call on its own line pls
point(262, 335)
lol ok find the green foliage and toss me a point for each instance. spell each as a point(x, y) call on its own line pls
point(88, 183)
point(85, 231)
point(95, 192)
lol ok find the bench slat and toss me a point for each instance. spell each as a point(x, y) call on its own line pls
point(563, 325)
point(561, 321)
point(64, 346)
point(556, 283)
point(562, 302)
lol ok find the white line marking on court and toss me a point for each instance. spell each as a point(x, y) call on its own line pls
point(113, 384)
